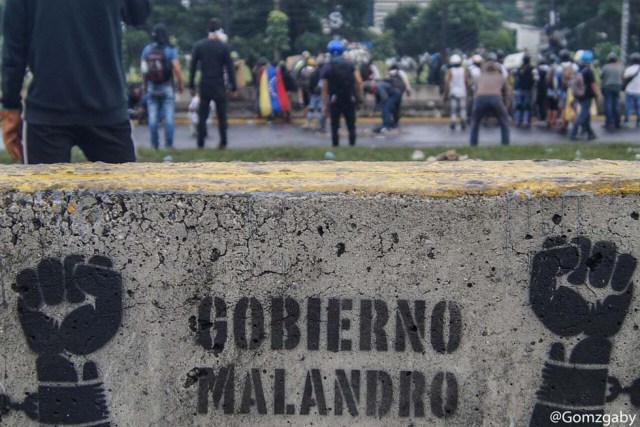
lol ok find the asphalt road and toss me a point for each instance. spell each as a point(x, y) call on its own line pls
point(249, 135)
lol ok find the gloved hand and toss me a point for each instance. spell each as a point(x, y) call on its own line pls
point(12, 133)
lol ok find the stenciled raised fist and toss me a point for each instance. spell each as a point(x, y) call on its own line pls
point(568, 309)
point(69, 307)
point(578, 288)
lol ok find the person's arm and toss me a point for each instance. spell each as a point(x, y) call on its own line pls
point(231, 71)
point(14, 52)
point(407, 84)
point(447, 85)
point(325, 97)
point(195, 58)
point(136, 12)
point(358, 80)
point(176, 69)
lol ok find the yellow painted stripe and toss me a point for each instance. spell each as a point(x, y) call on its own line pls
point(445, 179)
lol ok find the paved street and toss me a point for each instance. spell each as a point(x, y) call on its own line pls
point(419, 135)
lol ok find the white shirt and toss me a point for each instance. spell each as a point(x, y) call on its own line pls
point(634, 86)
point(458, 86)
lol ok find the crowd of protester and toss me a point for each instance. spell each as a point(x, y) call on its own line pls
point(559, 92)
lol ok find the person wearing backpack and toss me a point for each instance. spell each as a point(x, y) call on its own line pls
point(341, 86)
point(77, 96)
point(632, 89)
point(564, 74)
point(160, 71)
point(611, 81)
point(585, 89)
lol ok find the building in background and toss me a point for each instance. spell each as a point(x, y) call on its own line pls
point(382, 8)
point(528, 10)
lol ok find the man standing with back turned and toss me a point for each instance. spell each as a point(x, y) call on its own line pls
point(78, 93)
point(213, 56)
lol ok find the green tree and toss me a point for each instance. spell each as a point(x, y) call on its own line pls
point(277, 32)
point(598, 23)
point(450, 24)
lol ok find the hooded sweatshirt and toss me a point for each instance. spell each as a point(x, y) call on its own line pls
point(73, 49)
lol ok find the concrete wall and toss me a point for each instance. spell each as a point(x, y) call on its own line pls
point(460, 294)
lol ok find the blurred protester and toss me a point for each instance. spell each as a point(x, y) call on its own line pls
point(632, 89)
point(490, 100)
point(456, 88)
point(525, 81)
point(542, 104)
point(399, 79)
point(611, 82)
point(389, 96)
point(315, 98)
point(135, 103)
point(564, 74)
point(212, 57)
point(78, 93)
point(552, 97)
point(341, 85)
point(160, 73)
point(585, 89)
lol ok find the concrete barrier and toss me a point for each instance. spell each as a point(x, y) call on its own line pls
point(457, 294)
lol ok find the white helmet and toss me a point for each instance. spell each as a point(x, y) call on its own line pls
point(476, 59)
point(578, 56)
point(455, 59)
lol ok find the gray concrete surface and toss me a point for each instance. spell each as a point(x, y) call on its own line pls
point(308, 304)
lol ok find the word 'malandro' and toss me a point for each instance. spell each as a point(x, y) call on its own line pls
point(335, 324)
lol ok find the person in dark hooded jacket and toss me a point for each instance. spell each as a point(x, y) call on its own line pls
point(77, 95)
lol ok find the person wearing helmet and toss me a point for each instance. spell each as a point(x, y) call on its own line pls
point(341, 86)
point(611, 81)
point(632, 89)
point(489, 99)
point(585, 90)
point(524, 84)
point(456, 88)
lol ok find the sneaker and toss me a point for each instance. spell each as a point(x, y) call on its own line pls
point(452, 126)
point(573, 138)
point(592, 136)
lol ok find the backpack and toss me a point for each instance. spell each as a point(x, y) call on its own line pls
point(342, 83)
point(567, 74)
point(577, 85)
point(158, 68)
point(397, 82)
point(304, 78)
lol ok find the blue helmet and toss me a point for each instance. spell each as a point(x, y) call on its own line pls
point(587, 57)
point(335, 48)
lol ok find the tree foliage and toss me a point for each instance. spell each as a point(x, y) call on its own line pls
point(443, 24)
point(598, 23)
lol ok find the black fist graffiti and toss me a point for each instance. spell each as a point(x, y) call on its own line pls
point(68, 308)
point(579, 288)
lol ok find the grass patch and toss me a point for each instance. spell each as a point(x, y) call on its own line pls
point(562, 151)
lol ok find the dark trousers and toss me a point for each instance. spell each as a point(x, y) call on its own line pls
point(46, 144)
point(612, 106)
point(217, 94)
point(584, 118)
point(348, 110)
point(484, 106)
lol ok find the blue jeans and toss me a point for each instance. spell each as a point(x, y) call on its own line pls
point(315, 105)
point(631, 102)
point(523, 106)
point(611, 106)
point(388, 108)
point(162, 104)
point(583, 119)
